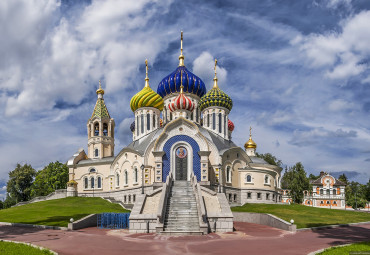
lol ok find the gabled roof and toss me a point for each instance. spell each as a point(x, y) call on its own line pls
point(337, 182)
point(100, 110)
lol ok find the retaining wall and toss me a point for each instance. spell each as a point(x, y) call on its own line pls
point(264, 219)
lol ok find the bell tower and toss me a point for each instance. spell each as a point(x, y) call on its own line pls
point(100, 130)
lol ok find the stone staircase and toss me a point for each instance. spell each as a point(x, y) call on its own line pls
point(181, 216)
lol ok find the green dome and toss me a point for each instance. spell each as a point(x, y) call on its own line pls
point(146, 98)
point(215, 97)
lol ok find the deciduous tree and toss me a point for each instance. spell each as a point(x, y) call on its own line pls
point(20, 182)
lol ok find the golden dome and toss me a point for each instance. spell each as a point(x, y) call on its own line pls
point(100, 90)
point(250, 143)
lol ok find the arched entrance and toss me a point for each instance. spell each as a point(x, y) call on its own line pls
point(181, 164)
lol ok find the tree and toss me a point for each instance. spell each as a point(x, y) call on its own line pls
point(9, 202)
point(296, 181)
point(356, 195)
point(367, 191)
point(313, 177)
point(343, 178)
point(20, 182)
point(53, 176)
point(269, 158)
point(1, 205)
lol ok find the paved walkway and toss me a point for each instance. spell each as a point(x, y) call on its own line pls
point(248, 239)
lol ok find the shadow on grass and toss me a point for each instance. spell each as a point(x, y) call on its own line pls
point(59, 221)
point(344, 235)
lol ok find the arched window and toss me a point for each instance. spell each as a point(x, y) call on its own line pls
point(196, 115)
point(225, 124)
point(219, 122)
point(92, 183)
point(335, 202)
point(248, 178)
point(137, 125)
point(192, 116)
point(214, 121)
point(148, 121)
point(86, 181)
point(105, 129)
point(154, 117)
point(334, 192)
point(92, 170)
point(135, 175)
point(142, 123)
point(321, 191)
point(96, 129)
point(328, 191)
point(126, 177)
point(99, 182)
point(117, 179)
point(208, 119)
point(96, 153)
point(308, 202)
point(266, 179)
point(321, 202)
point(170, 116)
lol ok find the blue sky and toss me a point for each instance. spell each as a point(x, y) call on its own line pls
point(297, 71)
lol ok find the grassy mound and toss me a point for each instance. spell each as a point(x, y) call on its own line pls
point(59, 211)
point(357, 248)
point(305, 216)
point(8, 248)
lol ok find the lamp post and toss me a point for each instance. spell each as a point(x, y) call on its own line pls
point(142, 178)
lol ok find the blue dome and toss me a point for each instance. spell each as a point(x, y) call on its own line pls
point(171, 84)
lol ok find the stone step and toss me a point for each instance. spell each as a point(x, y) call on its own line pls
point(181, 233)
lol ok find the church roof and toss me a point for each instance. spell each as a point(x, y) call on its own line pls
point(337, 182)
point(100, 110)
point(258, 160)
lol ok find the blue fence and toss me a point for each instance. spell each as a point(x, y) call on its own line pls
point(113, 220)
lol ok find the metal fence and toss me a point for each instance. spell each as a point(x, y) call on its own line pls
point(113, 220)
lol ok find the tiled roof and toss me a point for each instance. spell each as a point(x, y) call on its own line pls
point(100, 109)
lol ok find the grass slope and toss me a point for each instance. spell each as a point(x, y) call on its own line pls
point(8, 248)
point(59, 211)
point(358, 248)
point(305, 216)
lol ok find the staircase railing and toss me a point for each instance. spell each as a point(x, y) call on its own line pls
point(203, 224)
point(163, 201)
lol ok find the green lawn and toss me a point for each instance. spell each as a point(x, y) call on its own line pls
point(357, 247)
point(8, 248)
point(59, 211)
point(305, 216)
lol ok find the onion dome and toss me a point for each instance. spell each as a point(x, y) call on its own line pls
point(181, 76)
point(132, 127)
point(250, 143)
point(181, 102)
point(215, 97)
point(146, 97)
point(230, 125)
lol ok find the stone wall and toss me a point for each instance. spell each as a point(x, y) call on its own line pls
point(59, 193)
point(264, 219)
point(88, 221)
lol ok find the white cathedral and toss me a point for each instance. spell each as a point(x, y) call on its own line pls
point(182, 171)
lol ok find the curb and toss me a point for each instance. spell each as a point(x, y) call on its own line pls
point(334, 226)
point(30, 244)
point(32, 226)
point(321, 250)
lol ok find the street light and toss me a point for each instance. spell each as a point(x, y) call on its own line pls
point(142, 178)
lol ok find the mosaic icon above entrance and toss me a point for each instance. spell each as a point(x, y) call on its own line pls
point(181, 152)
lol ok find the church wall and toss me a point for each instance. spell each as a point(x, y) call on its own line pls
point(86, 171)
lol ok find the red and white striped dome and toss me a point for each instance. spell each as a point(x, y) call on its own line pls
point(181, 102)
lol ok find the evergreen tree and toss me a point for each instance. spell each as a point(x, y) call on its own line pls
point(20, 182)
point(297, 182)
point(313, 177)
point(343, 178)
point(53, 176)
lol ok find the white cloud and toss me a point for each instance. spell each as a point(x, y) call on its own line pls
point(342, 53)
point(203, 66)
point(340, 105)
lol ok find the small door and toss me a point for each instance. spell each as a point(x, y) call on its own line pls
point(181, 164)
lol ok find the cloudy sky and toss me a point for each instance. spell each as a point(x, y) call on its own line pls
point(297, 71)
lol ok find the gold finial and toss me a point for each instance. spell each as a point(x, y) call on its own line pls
point(100, 90)
point(181, 57)
point(250, 143)
point(215, 85)
point(146, 77)
point(181, 89)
